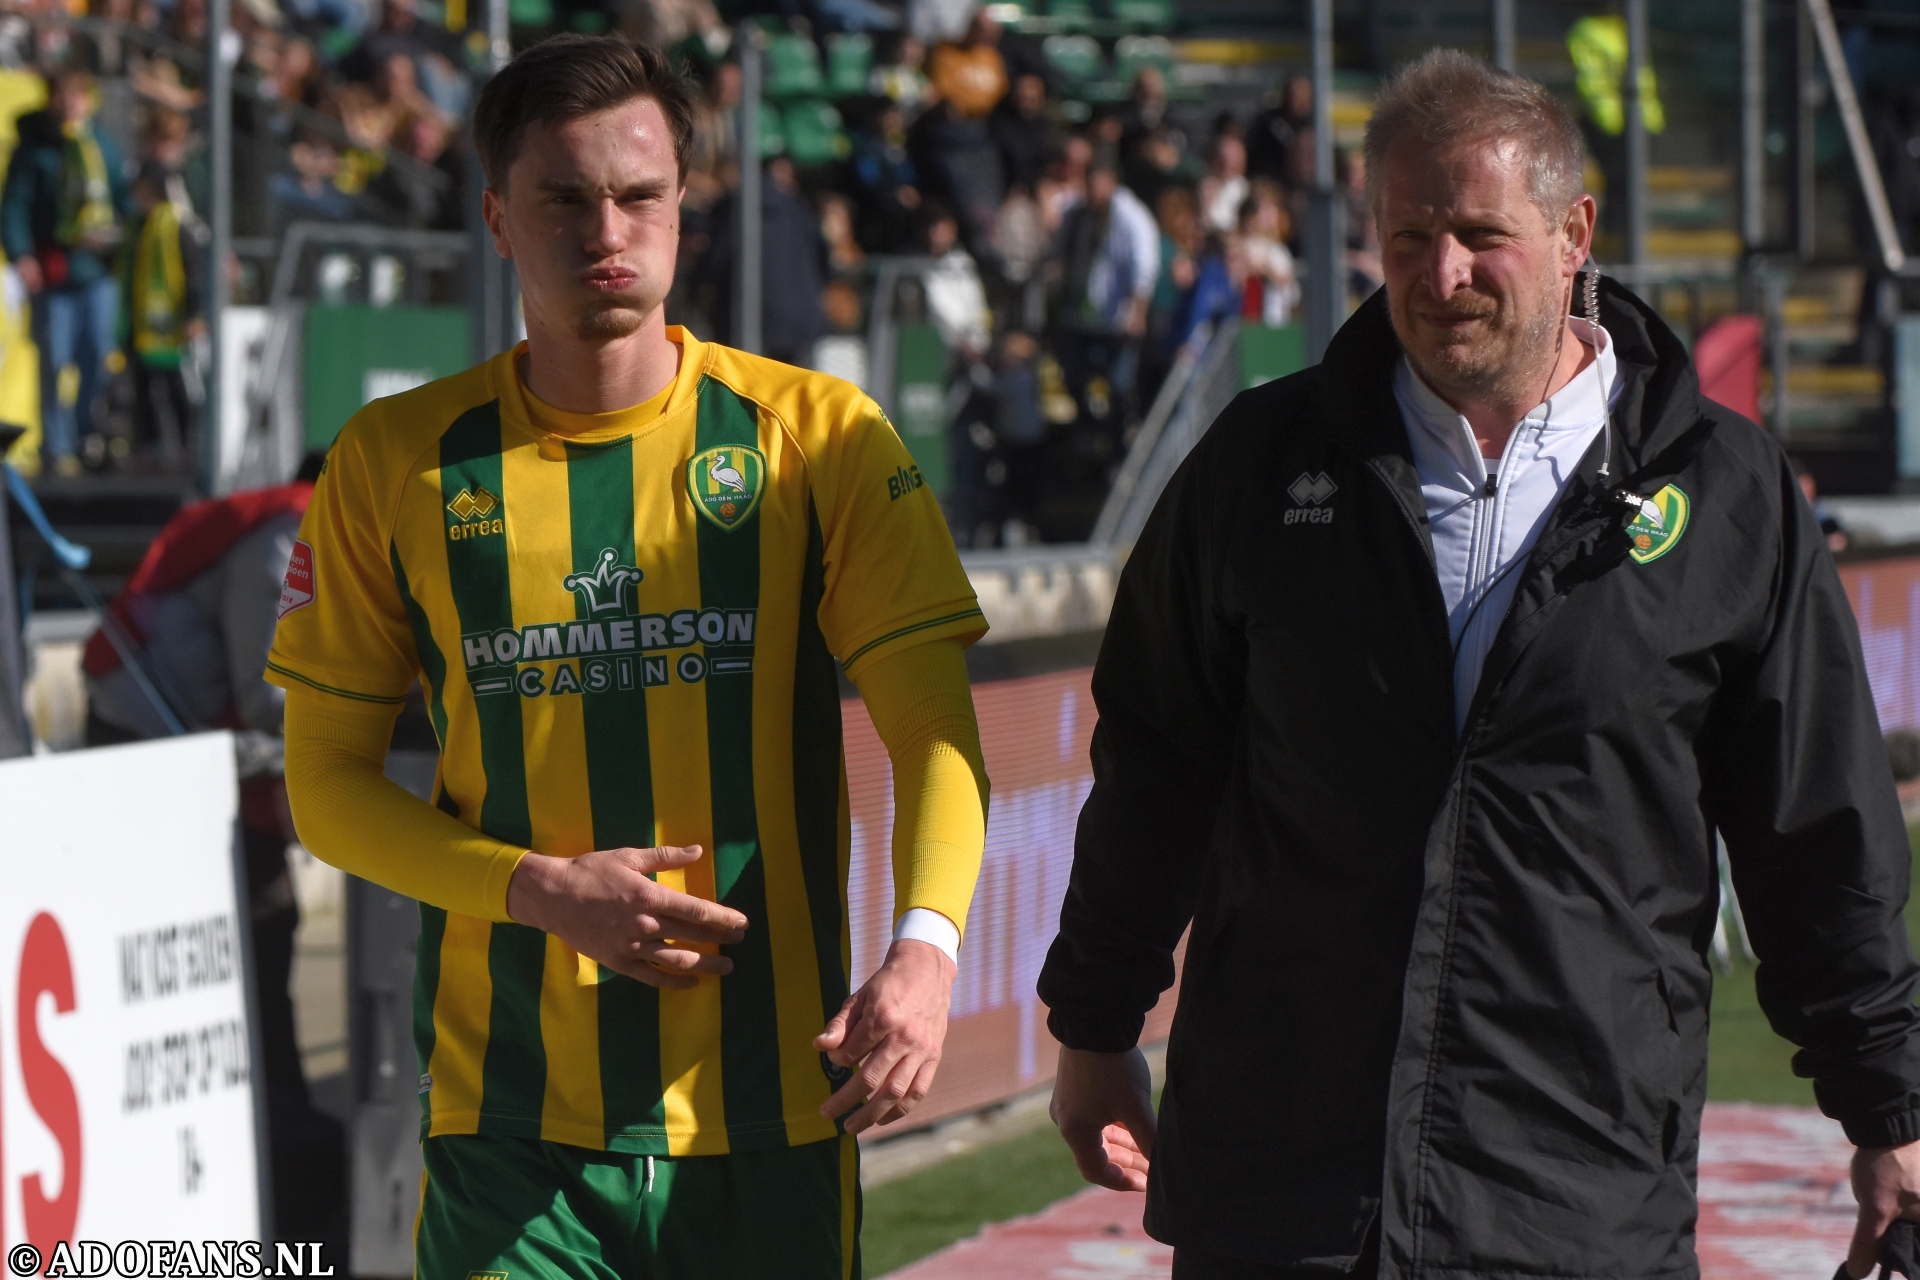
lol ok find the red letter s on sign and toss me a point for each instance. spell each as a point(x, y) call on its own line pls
point(46, 968)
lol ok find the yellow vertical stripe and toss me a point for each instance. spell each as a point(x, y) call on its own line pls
point(668, 553)
point(796, 976)
point(559, 807)
point(460, 1011)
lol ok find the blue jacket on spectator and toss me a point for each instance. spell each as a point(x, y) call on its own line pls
point(30, 201)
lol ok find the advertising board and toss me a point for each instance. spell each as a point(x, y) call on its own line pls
point(127, 1108)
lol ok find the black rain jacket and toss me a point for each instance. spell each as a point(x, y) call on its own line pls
point(1453, 983)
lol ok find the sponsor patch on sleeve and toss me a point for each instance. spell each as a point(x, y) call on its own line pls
point(297, 591)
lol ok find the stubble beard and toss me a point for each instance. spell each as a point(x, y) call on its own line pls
point(609, 321)
point(1508, 359)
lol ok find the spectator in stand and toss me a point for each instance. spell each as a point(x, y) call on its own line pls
point(971, 76)
point(900, 73)
point(1146, 110)
point(958, 164)
point(1274, 133)
point(845, 257)
point(1224, 189)
point(307, 188)
point(1161, 164)
point(956, 300)
point(882, 177)
point(1109, 252)
point(62, 217)
point(399, 30)
point(1065, 182)
point(1219, 277)
point(1024, 133)
point(1177, 215)
point(164, 272)
point(794, 261)
point(713, 163)
point(1272, 289)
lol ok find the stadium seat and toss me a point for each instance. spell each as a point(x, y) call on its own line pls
point(1074, 15)
point(849, 59)
point(813, 133)
point(1131, 53)
point(1076, 59)
point(793, 68)
point(773, 131)
point(1145, 15)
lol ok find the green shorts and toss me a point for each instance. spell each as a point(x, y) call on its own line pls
point(521, 1209)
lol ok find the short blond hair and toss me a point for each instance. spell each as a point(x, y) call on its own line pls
point(1447, 97)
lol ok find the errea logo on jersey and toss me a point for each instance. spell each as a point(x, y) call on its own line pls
point(471, 507)
point(1308, 493)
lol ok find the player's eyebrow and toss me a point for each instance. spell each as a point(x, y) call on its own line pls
point(573, 187)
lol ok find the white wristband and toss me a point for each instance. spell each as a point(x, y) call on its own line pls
point(923, 924)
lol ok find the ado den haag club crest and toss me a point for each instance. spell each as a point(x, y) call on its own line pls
point(725, 483)
point(1652, 535)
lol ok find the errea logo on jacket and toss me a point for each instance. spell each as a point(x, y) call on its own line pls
point(1308, 493)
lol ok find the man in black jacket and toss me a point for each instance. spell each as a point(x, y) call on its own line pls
point(1425, 691)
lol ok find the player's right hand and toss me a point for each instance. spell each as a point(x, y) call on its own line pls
point(1103, 1105)
point(603, 905)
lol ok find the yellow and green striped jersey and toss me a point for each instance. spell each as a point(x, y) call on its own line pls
point(626, 636)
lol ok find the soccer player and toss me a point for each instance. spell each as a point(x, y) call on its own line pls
point(622, 563)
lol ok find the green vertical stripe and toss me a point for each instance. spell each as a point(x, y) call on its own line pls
point(426, 984)
point(816, 773)
point(432, 661)
point(620, 785)
point(433, 921)
point(749, 1021)
point(514, 1074)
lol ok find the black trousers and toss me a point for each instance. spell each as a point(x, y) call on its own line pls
point(1191, 1265)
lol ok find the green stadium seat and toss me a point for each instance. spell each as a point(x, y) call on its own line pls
point(793, 68)
point(1131, 53)
point(1074, 15)
point(530, 13)
point(1146, 15)
point(773, 131)
point(849, 59)
point(1076, 59)
point(813, 133)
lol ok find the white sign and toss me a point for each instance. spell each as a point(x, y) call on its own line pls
point(126, 1098)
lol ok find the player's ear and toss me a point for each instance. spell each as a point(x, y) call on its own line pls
point(493, 207)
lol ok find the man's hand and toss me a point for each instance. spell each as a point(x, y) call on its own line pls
point(30, 274)
point(1103, 1105)
point(1136, 321)
point(603, 906)
point(1886, 1182)
point(892, 1029)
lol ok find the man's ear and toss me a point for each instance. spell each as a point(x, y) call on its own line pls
point(493, 208)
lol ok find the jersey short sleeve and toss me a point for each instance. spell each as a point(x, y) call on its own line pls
point(343, 626)
point(893, 578)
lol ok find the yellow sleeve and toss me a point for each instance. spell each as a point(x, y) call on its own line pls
point(893, 579)
point(923, 709)
point(349, 816)
point(343, 625)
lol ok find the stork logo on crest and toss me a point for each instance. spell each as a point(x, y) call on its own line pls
point(725, 483)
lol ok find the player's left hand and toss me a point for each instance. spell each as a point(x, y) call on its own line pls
point(892, 1029)
point(1886, 1182)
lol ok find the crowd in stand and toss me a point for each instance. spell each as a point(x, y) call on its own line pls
point(1067, 254)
